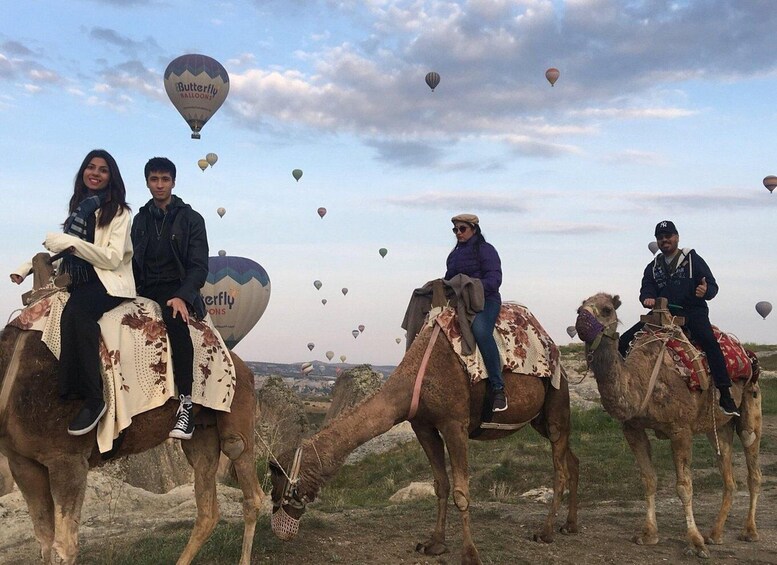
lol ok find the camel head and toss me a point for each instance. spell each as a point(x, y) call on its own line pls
point(596, 316)
point(288, 500)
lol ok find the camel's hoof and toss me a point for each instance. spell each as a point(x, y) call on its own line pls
point(431, 548)
point(644, 539)
point(700, 552)
point(713, 540)
point(568, 529)
point(544, 538)
point(469, 556)
point(748, 536)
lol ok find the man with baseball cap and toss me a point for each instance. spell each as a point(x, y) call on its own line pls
point(684, 279)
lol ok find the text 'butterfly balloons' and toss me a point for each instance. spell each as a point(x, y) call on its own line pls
point(197, 85)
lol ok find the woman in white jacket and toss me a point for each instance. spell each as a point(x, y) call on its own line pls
point(100, 267)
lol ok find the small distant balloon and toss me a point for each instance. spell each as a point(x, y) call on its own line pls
point(317, 284)
point(222, 253)
point(306, 368)
point(355, 334)
point(398, 340)
point(763, 308)
point(322, 212)
point(344, 291)
point(330, 354)
point(297, 174)
point(338, 370)
point(552, 75)
point(770, 182)
point(653, 246)
point(203, 164)
point(221, 212)
point(571, 331)
point(211, 158)
point(343, 358)
point(383, 251)
point(323, 301)
point(361, 328)
point(311, 345)
point(432, 80)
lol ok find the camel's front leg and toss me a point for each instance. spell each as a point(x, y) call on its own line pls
point(202, 452)
point(749, 429)
point(682, 455)
point(640, 446)
point(565, 472)
point(67, 479)
point(33, 481)
point(725, 438)
point(455, 435)
point(435, 451)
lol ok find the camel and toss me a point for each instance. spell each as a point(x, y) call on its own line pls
point(449, 409)
point(50, 466)
point(674, 412)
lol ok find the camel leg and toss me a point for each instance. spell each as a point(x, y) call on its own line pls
point(434, 448)
point(682, 455)
point(640, 446)
point(749, 429)
point(202, 452)
point(33, 481)
point(67, 480)
point(242, 455)
point(454, 434)
point(725, 440)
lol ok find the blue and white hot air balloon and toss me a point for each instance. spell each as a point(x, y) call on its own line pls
point(236, 294)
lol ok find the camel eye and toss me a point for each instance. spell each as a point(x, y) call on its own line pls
point(607, 311)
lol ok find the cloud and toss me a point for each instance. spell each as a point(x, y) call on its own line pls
point(126, 45)
point(407, 153)
point(634, 157)
point(491, 202)
point(634, 113)
point(16, 48)
point(569, 228)
point(704, 199)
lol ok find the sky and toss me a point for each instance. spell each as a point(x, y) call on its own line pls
point(663, 110)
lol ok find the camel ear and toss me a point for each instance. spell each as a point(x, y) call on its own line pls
point(616, 301)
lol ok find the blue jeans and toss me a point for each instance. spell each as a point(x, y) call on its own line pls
point(483, 330)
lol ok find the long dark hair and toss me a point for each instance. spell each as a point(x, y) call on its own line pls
point(117, 194)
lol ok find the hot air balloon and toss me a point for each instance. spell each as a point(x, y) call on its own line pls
point(202, 164)
point(344, 291)
point(311, 345)
point(382, 251)
point(763, 308)
point(398, 340)
point(653, 246)
point(338, 370)
point(317, 284)
point(571, 331)
point(552, 75)
point(211, 158)
point(432, 79)
point(770, 182)
point(361, 328)
point(330, 354)
point(355, 334)
point(323, 301)
point(322, 212)
point(297, 174)
point(306, 368)
point(222, 253)
point(197, 86)
point(343, 358)
point(221, 212)
point(236, 293)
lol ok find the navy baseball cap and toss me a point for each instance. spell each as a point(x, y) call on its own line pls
point(665, 226)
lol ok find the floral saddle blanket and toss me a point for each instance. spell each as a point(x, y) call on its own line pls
point(524, 345)
point(137, 368)
point(691, 362)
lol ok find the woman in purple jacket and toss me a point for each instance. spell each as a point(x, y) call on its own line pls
point(478, 259)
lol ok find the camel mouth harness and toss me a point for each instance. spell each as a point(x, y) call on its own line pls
point(284, 526)
point(591, 330)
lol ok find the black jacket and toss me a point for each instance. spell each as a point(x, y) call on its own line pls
point(189, 242)
point(679, 287)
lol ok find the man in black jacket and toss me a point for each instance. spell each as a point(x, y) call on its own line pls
point(684, 279)
point(170, 264)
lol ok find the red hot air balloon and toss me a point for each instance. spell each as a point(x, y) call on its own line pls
point(770, 183)
point(432, 80)
point(322, 212)
point(552, 75)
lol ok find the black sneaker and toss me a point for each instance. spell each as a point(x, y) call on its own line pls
point(500, 401)
point(184, 425)
point(88, 417)
point(727, 403)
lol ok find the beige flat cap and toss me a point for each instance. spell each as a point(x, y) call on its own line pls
point(471, 219)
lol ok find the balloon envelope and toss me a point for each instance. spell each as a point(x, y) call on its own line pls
point(344, 291)
point(361, 328)
point(383, 251)
point(221, 212)
point(355, 334)
point(330, 354)
point(222, 253)
point(323, 301)
point(297, 174)
point(307, 370)
point(763, 308)
point(653, 246)
point(317, 284)
point(236, 293)
point(432, 80)
point(343, 358)
point(552, 75)
point(398, 340)
point(202, 164)
point(571, 331)
point(211, 158)
point(197, 86)
point(770, 182)
point(322, 212)
point(311, 345)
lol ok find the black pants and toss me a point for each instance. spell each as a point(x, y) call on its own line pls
point(80, 374)
point(698, 325)
point(181, 348)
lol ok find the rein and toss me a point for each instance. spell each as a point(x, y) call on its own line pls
point(419, 378)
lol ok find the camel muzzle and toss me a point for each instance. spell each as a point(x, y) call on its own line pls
point(284, 526)
point(587, 326)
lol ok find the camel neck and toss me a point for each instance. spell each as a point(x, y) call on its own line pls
point(620, 398)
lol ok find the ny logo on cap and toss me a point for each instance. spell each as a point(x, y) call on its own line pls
point(662, 224)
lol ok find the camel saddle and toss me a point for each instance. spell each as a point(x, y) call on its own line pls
point(137, 367)
point(689, 358)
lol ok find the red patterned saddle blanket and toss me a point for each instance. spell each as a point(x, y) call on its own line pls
point(691, 360)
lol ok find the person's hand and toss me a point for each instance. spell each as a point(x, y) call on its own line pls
point(701, 290)
point(649, 302)
point(179, 307)
point(56, 242)
point(16, 278)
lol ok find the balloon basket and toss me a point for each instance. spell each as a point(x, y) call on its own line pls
point(195, 136)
